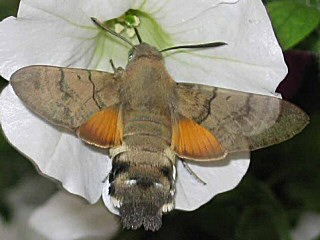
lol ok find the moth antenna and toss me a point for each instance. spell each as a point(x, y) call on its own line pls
point(138, 35)
point(203, 45)
point(99, 24)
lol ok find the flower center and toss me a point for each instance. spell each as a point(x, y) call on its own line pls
point(149, 29)
point(110, 47)
point(127, 23)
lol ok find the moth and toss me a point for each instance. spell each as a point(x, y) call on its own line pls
point(147, 121)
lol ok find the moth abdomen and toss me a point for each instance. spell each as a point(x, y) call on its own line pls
point(147, 129)
point(142, 187)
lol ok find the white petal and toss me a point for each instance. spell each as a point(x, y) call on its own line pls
point(252, 61)
point(174, 12)
point(220, 176)
point(62, 156)
point(106, 9)
point(61, 33)
point(77, 12)
point(66, 217)
point(159, 15)
point(308, 227)
point(29, 41)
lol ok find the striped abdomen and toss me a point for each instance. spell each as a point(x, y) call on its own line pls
point(142, 176)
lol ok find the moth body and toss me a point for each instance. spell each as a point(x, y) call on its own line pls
point(145, 186)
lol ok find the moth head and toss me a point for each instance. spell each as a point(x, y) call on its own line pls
point(142, 194)
point(144, 50)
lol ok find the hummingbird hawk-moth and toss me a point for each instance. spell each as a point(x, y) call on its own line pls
point(147, 121)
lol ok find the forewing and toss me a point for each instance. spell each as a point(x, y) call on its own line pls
point(66, 97)
point(240, 121)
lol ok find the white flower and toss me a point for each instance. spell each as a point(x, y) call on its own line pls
point(59, 32)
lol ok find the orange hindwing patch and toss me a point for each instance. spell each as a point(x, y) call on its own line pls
point(103, 129)
point(192, 141)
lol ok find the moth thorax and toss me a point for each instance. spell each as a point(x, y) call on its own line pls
point(142, 190)
point(146, 51)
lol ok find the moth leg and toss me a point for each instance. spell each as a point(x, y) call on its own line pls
point(192, 173)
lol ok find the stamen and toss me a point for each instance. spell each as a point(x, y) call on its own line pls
point(118, 28)
point(127, 22)
point(130, 32)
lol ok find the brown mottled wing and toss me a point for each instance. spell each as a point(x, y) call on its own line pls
point(240, 121)
point(66, 97)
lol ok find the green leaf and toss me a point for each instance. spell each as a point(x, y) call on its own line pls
point(292, 21)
